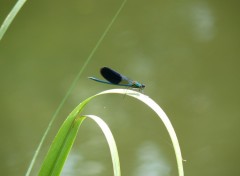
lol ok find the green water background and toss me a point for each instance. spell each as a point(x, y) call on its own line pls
point(185, 52)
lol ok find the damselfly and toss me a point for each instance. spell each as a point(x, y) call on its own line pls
point(116, 78)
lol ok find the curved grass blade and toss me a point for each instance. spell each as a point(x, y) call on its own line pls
point(111, 143)
point(69, 130)
point(161, 114)
point(65, 138)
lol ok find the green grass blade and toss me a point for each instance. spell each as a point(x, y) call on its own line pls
point(2, 31)
point(62, 144)
point(111, 143)
point(8, 20)
point(162, 115)
point(65, 138)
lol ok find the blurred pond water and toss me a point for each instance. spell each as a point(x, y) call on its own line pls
point(185, 52)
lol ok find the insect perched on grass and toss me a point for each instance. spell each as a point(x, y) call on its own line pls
point(116, 78)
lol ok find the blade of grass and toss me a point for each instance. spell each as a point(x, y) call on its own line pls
point(111, 143)
point(61, 147)
point(62, 144)
point(66, 139)
point(161, 114)
point(72, 86)
point(8, 20)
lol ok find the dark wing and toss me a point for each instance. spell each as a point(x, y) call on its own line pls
point(111, 75)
